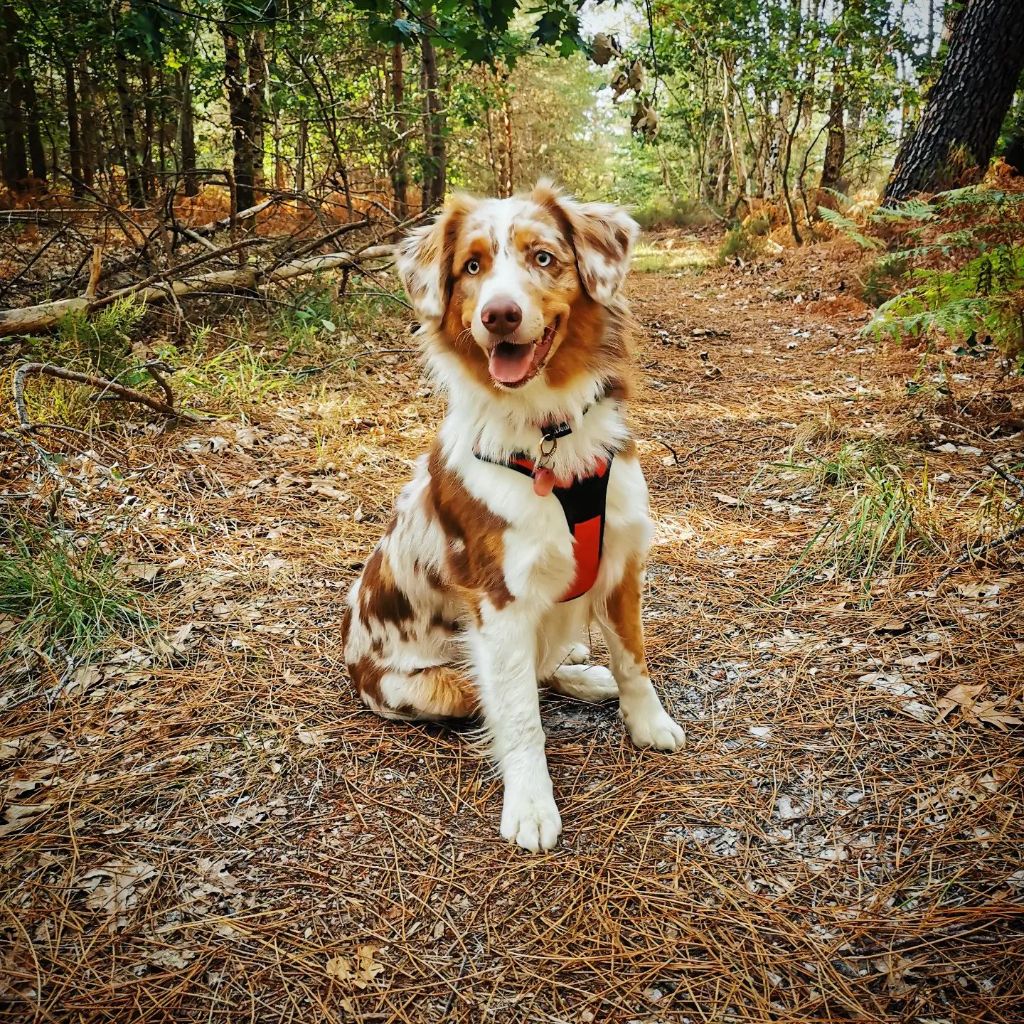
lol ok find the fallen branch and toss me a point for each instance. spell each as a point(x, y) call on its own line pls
point(48, 315)
point(26, 370)
point(211, 228)
point(971, 554)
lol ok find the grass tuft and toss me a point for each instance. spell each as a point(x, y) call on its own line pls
point(65, 595)
point(890, 522)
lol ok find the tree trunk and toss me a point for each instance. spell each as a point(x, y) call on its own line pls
point(126, 106)
point(300, 154)
point(187, 132)
point(435, 157)
point(256, 58)
point(399, 147)
point(507, 141)
point(148, 128)
point(835, 147)
point(954, 140)
point(36, 152)
point(74, 130)
point(240, 108)
point(15, 153)
point(91, 151)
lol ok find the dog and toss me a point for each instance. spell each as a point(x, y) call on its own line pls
point(529, 515)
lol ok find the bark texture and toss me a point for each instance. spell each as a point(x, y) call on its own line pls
point(240, 106)
point(954, 140)
point(435, 163)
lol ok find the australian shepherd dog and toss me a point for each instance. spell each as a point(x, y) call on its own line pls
point(529, 515)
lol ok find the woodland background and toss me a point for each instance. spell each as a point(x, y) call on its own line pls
point(368, 101)
point(209, 398)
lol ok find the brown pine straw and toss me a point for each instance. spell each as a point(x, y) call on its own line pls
point(298, 859)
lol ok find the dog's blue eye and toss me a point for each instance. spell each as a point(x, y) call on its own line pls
point(473, 267)
point(544, 259)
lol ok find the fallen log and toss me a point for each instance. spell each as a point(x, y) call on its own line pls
point(47, 315)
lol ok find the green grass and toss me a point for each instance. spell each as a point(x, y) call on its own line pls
point(64, 593)
point(853, 462)
point(889, 523)
point(651, 259)
point(237, 377)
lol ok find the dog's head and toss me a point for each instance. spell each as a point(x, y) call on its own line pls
point(514, 285)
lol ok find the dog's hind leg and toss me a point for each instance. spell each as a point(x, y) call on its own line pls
point(429, 694)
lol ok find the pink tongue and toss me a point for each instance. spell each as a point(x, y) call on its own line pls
point(510, 363)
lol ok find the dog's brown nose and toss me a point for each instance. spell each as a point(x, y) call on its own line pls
point(501, 316)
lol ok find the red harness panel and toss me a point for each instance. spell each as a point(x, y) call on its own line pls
point(583, 502)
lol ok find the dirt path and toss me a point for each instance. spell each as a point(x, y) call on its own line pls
point(228, 837)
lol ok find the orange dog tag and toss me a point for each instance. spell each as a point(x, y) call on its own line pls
point(543, 482)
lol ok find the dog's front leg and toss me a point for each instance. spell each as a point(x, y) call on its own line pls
point(504, 653)
point(649, 724)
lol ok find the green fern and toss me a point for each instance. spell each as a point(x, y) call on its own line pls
point(974, 288)
point(909, 209)
point(849, 228)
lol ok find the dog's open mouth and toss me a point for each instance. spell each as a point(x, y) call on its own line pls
point(513, 364)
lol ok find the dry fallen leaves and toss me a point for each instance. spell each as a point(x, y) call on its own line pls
point(17, 816)
point(989, 712)
point(960, 696)
point(358, 971)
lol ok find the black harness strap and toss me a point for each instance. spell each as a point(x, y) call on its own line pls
point(583, 503)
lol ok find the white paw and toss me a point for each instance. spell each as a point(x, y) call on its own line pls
point(654, 727)
point(592, 683)
point(579, 654)
point(532, 821)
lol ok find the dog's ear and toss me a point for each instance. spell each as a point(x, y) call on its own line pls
point(423, 259)
point(602, 236)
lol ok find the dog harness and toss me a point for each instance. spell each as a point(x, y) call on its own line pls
point(583, 503)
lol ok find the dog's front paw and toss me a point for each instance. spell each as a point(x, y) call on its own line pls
point(652, 726)
point(531, 820)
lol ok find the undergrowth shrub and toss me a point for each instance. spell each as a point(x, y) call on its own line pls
point(100, 342)
point(661, 211)
point(737, 242)
point(954, 269)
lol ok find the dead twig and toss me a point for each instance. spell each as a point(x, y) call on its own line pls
point(971, 553)
point(95, 268)
point(26, 370)
point(1009, 478)
point(159, 287)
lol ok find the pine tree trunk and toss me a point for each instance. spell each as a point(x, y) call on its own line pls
point(126, 106)
point(433, 121)
point(508, 142)
point(36, 151)
point(256, 58)
point(240, 108)
point(300, 154)
point(15, 152)
point(835, 147)
point(91, 150)
point(186, 132)
point(148, 128)
point(954, 140)
point(74, 130)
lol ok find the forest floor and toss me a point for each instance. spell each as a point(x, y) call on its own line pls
point(202, 824)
